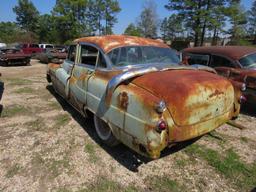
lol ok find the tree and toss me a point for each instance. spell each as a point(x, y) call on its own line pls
point(164, 28)
point(111, 9)
point(252, 20)
point(196, 15)
point(237, 19)
point(132, 30)
point(69, 18)
point(27, 15)
point(9, 31)
point(46, 29)
point(148, 20)
point(171, 27)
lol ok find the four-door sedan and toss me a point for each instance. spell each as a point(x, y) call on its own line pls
point(138, 93)
point(237, 63)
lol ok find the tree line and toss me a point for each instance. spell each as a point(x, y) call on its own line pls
point(69, 19)
point(193, 20)
point(196, 20)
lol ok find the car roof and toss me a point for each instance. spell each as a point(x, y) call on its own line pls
point(233, 52)
point(110, 42)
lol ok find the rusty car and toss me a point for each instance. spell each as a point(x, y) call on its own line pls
point(138, 93)
point(13, 56)
point(237, 63)
point(55, 55)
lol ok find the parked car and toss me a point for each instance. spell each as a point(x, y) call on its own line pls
point(52, 56)
point(138, 93)
point(1, 91)
point(46, 46)
point(13, 56)
point(2, 45)
point(31, 49)
point(237, 63)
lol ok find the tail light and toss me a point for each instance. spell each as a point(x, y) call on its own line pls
point(161, 126)
point(242, 99)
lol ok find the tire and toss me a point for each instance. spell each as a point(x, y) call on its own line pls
point(104, 132)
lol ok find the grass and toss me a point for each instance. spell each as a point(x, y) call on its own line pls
point(164, 184)
point(90, 149)
point(37, 125)
point(13, 171)
point(18, 81)
point(244, 139)
point(54, 105)
point(13, 110)
point(25, 90)
point(61, 120)
point(106, 185)
point(50, 165)
point(229, 164)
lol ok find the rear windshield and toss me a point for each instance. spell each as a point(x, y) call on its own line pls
point(249, 61)
point(133, 55)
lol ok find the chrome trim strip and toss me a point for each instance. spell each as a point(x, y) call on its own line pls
point(118, 79)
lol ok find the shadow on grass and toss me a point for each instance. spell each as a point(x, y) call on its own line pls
point(124, 155)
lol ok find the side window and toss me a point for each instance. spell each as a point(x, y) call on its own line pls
point(113, 55)
point(218, 61)
point(101, 61)
point(198, 59)
point(72, 53)
point(89, 55)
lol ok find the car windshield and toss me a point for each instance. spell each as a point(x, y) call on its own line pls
point(249, 61)
point(134, 55)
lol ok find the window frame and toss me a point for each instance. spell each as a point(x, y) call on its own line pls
point(225, 57)
point(91, 67)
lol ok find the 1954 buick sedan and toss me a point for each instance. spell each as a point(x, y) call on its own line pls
point(138, 93)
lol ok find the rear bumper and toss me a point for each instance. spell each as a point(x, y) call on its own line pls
point(178, 134)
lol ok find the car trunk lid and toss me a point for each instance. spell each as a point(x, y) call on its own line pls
point(191, 96)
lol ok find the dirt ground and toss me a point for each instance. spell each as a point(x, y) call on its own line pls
point(45, 145)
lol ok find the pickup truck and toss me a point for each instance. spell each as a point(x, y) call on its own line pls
point(31, 49)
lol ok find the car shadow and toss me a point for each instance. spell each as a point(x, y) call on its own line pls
point(124, 155)
point(248, 109)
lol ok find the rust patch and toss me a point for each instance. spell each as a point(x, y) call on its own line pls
point(109, 42)
point(216, 93)
point(123, 100)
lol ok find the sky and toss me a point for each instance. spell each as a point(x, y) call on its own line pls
point(130, 10)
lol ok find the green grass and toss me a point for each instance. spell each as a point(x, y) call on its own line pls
point(18, 81)
point(25, 90)
point(90, 149)
point(164, 184)
point(229, 164)
point(37, 125)
point(14, 170)
point(106, 185)
point(244, 139)
point(13, 110)
point(50, 165)
point(54, 105)
point(61, 120)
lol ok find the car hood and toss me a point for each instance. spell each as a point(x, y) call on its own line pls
point(191, 96)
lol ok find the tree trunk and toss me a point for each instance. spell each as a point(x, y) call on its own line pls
point(204, 26)
point(197, 26)
point(214, 42)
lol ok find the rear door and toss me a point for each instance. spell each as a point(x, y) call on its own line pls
point(83, 69)
point(222, 65)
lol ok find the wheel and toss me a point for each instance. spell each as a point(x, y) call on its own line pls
point(104, 132)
